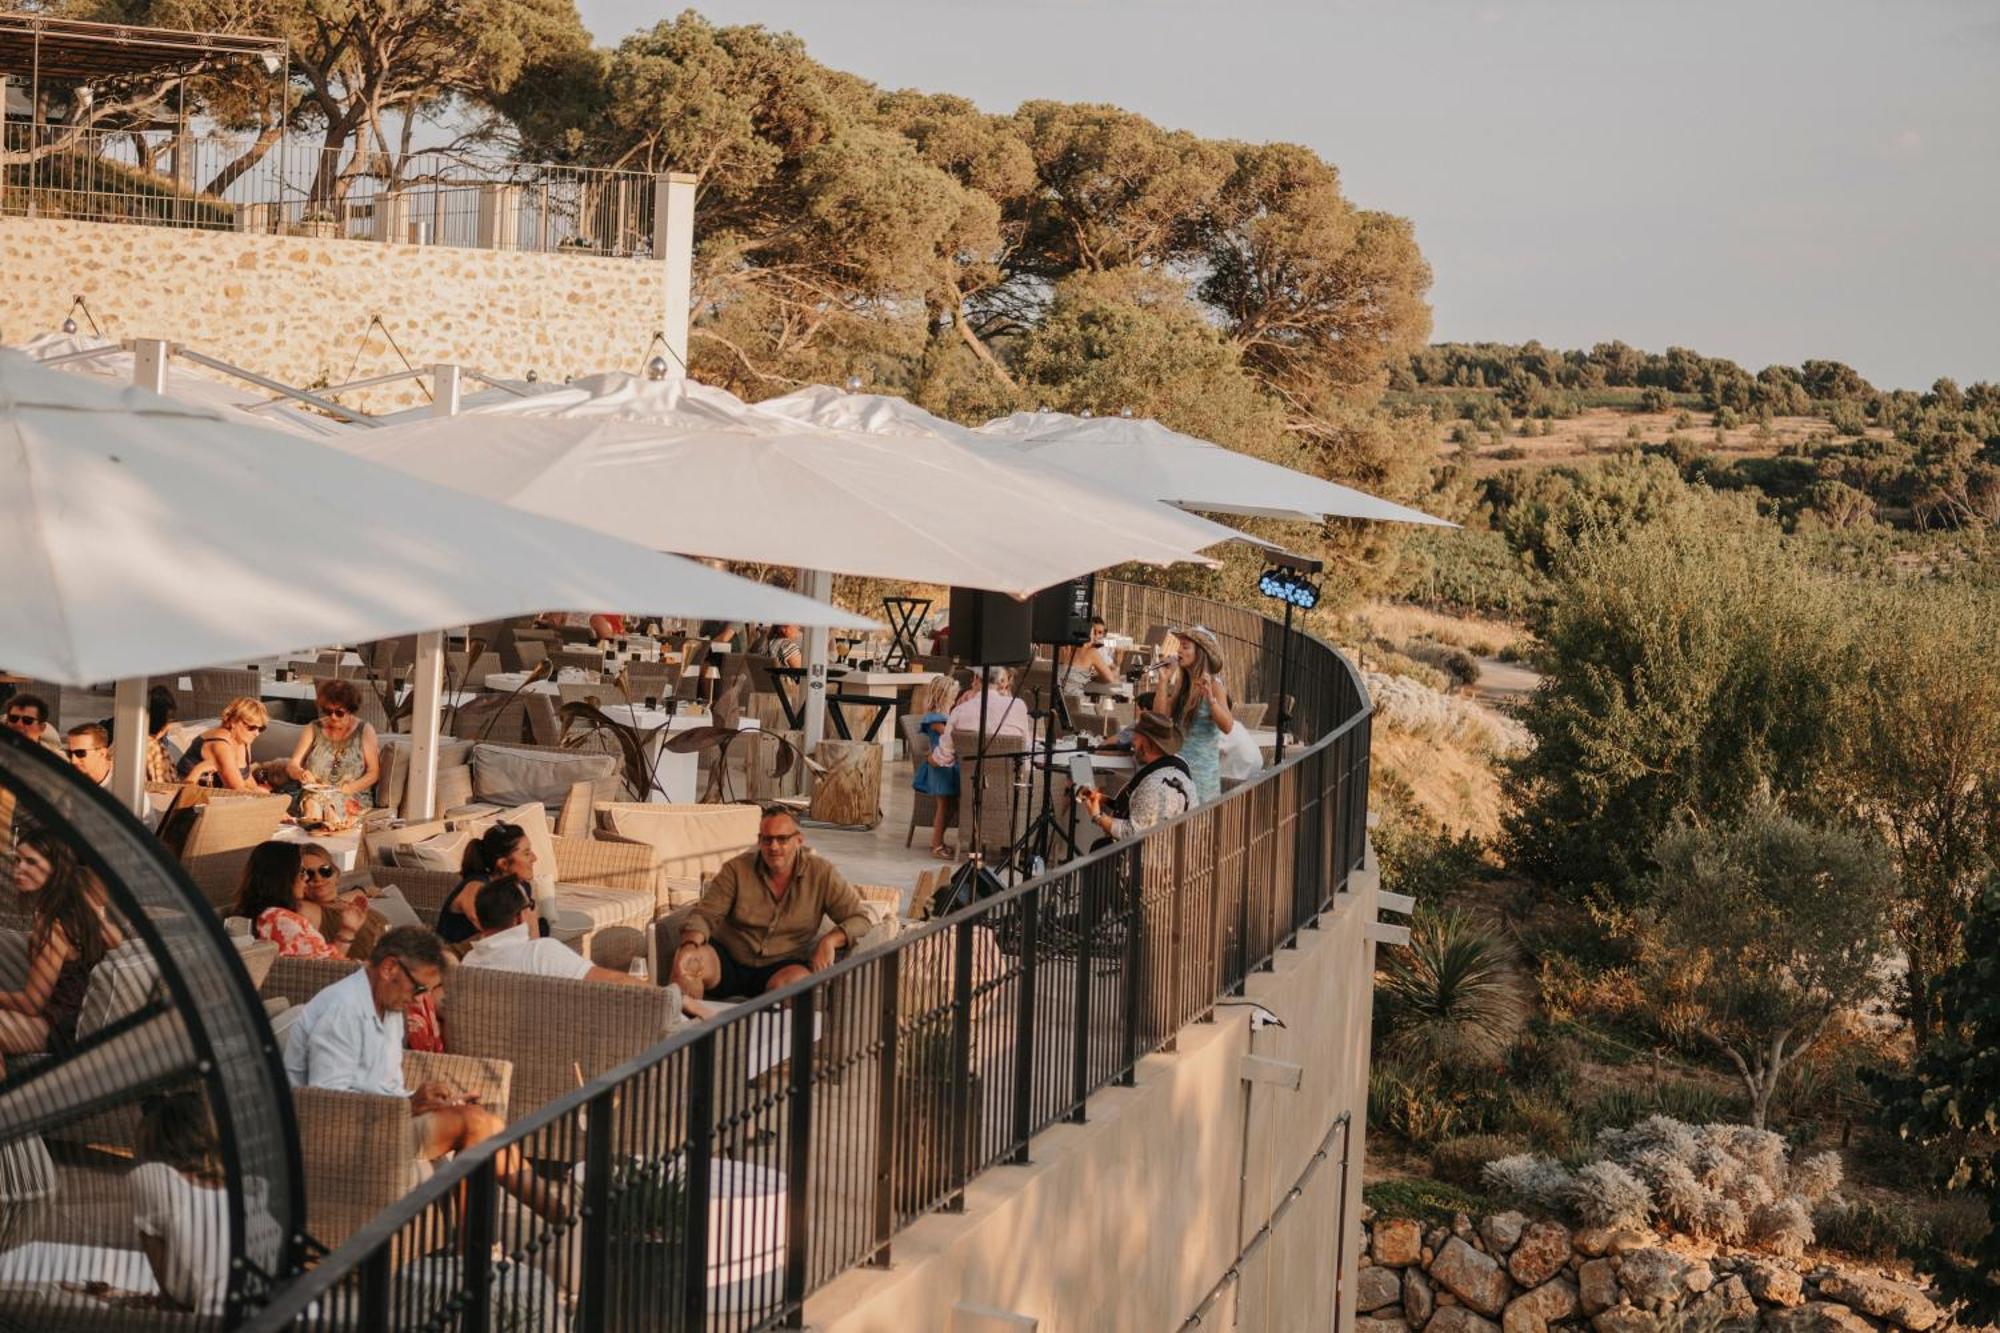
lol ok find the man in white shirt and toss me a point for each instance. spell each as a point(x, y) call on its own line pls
point(350, 1039)
point(506, 942)
point(88, 749)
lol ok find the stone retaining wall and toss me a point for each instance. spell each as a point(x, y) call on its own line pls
point(1508, 1273)
point(299, 308)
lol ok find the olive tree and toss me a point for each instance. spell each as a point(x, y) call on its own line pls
point(1773, 926)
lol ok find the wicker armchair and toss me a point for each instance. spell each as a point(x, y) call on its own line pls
point(354, 1142)
point(990, 809)
point(550, 1028)
point(297, 980)
point(216, 840)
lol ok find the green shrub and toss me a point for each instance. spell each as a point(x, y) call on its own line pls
point(1431, 1202)
point(1458, 1161)
point(1417, 1108)
point(1694, 1103)
point(1542, 1057)
point(1429, 864)
point(1456, 663)
point(1543, 1117)
point(1683, 419)
point(1448, 996)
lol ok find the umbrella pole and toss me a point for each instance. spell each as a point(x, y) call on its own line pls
point(427, 674)
point(128, 744)
point(818, 585)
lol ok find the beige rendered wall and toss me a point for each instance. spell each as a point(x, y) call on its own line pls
point(298, 308)
point(1125, 1222)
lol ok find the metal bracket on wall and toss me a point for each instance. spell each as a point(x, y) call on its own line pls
point(1278, 1073)
point(1381, 932)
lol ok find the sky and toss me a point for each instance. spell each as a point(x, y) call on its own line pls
point(1766, 180)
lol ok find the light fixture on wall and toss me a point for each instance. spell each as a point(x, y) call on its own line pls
point(656, 368)
point(854, 384)
point(1125, 412)
point(68, 325)
point(1086, 414)
point(533, 375)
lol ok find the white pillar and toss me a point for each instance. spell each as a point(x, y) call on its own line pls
point(818, 585)
point(128, 744)
point(427, 672)
point(673, 245)
point(128, 707)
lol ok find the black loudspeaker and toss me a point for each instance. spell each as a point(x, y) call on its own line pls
point(1062, 612)
point(989, 628)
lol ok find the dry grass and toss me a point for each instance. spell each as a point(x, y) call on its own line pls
point(1401, 623)
point(1602, 431)
point(1452, 784)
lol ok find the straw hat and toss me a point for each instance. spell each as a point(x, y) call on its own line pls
point(1204, 636)
point(1160, 729)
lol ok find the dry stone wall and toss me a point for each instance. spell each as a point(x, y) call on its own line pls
point(1508, 1274)
point(299, 308)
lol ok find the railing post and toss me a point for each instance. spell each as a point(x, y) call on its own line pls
point(476, 1258)
point(798, 1161)
point(961, 1064)
point(1135, 915)
point(1086, 927)
point(701, 1144)
point(1030, 907)
point(595, 1289)
point(886, 1127)
point(499, 217)
point(374, 1310)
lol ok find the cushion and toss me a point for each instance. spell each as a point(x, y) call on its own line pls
point(277, 741)
point(379, 845)
point(441, 851)
point(452, 753)
point(394, 908)
point(509, 776)
point(119, 985)
point(693, 841)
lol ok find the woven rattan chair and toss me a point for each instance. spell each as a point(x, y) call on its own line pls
point(990, 810)
point(297, 980)
point(224, 829)
point(354, 1143)
point(548, 1028)
point(213, 689)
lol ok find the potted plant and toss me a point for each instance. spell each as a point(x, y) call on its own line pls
point(925, 1164)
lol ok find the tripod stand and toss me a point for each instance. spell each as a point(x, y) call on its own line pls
point(1032, 850)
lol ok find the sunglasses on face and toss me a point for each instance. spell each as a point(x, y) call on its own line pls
point(417, 988)
point(22, 720)
point(333, 714)
point(319, 872)
point(774, 839)
point(81, 754)
point(253, 726)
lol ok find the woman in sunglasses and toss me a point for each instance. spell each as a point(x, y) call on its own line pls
point(220, 757)
point(338, 752)
point(276, 899)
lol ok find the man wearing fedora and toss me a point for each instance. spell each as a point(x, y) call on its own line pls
point(1161, 790)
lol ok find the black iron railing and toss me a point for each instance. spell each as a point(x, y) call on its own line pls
point(719, 1179)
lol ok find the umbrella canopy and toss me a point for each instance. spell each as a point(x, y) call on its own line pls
point(185, 384)
point(687, 467)
point(143, 536)
point(899, 418)
point(1141, 457)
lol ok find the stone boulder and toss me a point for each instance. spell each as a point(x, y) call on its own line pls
point(1542, 1251)
point(1474, 1277)
point(1376, 1287)
point(1501, 1231)
point(1772, 1283)
point(1597, 1285)
point(1458, 1319)
point(1816, 1317)
point(1651, 1275)
point(1390, 1324)
point(1418, 1298)
point(1725, 1307)
point(1897, 1302)
point(1398, 1242)
point(1551, 1302)
point(1625, 1319)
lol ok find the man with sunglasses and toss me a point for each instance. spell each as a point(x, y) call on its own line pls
point(756, 927)
point(28, 714)
point(88, 749)
point(350, 1039)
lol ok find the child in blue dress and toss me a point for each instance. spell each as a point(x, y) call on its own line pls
point(939, 781)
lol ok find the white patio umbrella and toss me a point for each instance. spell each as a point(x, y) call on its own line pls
point(692, 468)
point(899, 418)
point(112, 364)
point(1142, 457)
point(142, 536)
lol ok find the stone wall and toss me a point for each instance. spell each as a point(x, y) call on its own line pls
point(1506, 1273)
point(298, 309)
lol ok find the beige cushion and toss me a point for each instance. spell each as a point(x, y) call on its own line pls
point(693, 841)
point(441, 851)
point(277, 741)
point(380, 844)
point(508, 776)
point(119, 985)
point(452, 753)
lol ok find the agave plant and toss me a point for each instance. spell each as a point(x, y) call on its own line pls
point(1448, 996)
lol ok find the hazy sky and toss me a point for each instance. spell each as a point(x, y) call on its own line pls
point(1768, 180)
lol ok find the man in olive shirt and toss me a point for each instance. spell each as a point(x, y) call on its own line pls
point(756, 924)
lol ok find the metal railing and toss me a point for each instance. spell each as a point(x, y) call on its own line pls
point(160, 178)
point(722, 1177)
